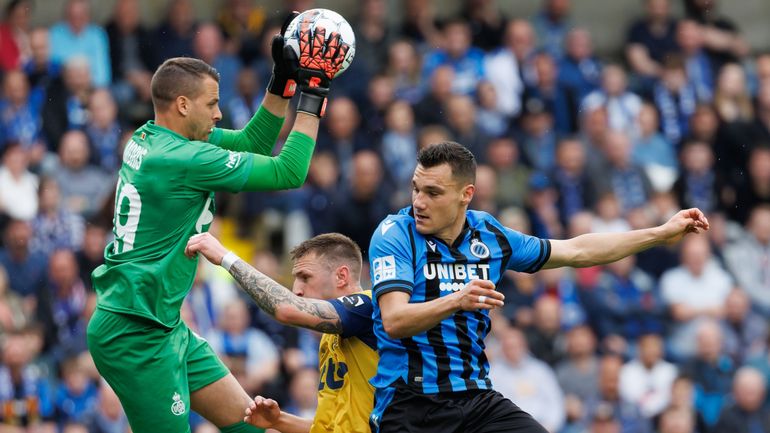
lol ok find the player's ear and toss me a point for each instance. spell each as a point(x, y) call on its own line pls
point(341, 276)
point(183, 105)
point(468, 192)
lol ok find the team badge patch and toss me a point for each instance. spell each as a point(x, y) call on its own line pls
point(479, 249)
point(178, 407)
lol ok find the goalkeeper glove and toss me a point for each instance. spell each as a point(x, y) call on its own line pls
point(283, 81)
point(319, 61)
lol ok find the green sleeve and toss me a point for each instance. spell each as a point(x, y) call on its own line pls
point(285, 171)
point(258, 136)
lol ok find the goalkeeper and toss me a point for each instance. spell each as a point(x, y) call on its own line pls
point(171, 167)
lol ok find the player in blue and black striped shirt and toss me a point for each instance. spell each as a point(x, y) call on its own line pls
point(434, 269)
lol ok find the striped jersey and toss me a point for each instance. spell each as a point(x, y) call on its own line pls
point(450, 356)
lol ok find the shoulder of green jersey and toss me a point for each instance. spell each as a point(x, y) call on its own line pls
point(133, 154)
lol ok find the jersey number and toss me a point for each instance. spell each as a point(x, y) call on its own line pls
point(128, 205)
point(328, 372)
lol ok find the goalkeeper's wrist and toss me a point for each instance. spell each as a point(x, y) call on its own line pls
point(228, 260)
point(311, 103)
point(285, 88)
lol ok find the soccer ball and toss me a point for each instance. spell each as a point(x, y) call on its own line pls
point(332, 22)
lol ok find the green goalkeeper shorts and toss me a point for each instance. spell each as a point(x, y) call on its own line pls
point(152, 369)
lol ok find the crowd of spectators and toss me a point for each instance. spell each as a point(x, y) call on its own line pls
point(673, 340)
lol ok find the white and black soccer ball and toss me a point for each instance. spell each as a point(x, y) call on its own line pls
point(332, 22)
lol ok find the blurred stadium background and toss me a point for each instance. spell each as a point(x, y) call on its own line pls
point(585, 115)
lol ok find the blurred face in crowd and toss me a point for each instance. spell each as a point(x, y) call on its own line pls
point(181, 15)
point(502, 153)
point(514, 345)
point(102, 108)
point(697, 157)
point(50, 196)
point(381, 92)
point(570, 156)
point(94, 242)
point(618, 149)
point(403, 58)
point(78, 14)
point(461, 114)
point(704, 122)
point(15, 160)
point(759, 166)
point(709, 339)
point(749, 389)
point(487, 95)
point(579, 44)
point(677, 421)
point(127, 15)
point(581, 342)
point(737, 305)
point(439, 200)
point(674, 78)
point(73, 150)
point(658, 9)
point(457, 37)
point(324, 171)
point(18, 17)
point(548, 315)
point(400, 118)
point(366, 174)
point(441, 82)
point(374, 10)
point(207, 42)
point(732, 81)
point(557, 9)
point(595, 125)
point(63, 269)
point(682, 394)
point(546, 70)
point(303, 388)
point(696, 253)
point(763, 68)
point(609, 377)
point(39, 45)
point(520, 38)
point(759, 224)
point(77, 75)
point(689, 36)
point(314, 277)
point(16, 351)
point(235, 318)
point(622, 267)
point(17, 237)
point(342, 118)
point(432, 134)
point(16, 88)
point(486, 184)
point(648, 120)
point(614, 80)
point(650, 349)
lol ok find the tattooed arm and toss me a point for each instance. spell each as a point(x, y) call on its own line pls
point(270, 296)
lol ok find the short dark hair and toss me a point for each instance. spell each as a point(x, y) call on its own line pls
point(459, 158)
point(179, 76)
point(335, 248)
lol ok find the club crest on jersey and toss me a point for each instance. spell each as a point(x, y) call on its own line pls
point(479, 249)
point(178, 407)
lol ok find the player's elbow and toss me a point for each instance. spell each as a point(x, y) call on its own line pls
point(285, 314)
point(394, 329)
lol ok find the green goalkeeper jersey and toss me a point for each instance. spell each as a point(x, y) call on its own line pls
point(165, 194)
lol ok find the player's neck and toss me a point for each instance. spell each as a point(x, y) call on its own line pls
point(171, 123)
point(450, 234)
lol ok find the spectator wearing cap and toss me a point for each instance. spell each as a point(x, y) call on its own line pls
point(529, 382)
point(747, 413)
point(646, 380)
point(541, 207)
point(77, 36)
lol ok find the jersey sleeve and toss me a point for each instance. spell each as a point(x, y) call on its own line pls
point(391, 259)
point(215, 169)
point(355, 313)
point(528, 253)
point(258, 136)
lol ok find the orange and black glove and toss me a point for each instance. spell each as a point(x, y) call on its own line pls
point(283, 81)
point(319, 61)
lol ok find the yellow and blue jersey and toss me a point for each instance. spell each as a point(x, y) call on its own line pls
point(346, 363)
point(450, 356)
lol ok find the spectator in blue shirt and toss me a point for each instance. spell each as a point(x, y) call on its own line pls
point(19, 118)
point(551, 26)
point(78, 37)
point(466, 60)
point(26, 268)
point(689, 37)
point(579, 68)
point(208, 45)
point(676, 99)
point(77, 396)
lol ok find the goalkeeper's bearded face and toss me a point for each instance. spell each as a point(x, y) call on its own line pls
point(203, 111)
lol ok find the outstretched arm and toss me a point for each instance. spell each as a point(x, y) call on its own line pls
point(265, 413)
point(600, 248)
point(270, 296)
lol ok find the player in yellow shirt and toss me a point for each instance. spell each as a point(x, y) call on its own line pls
point(327, 297)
